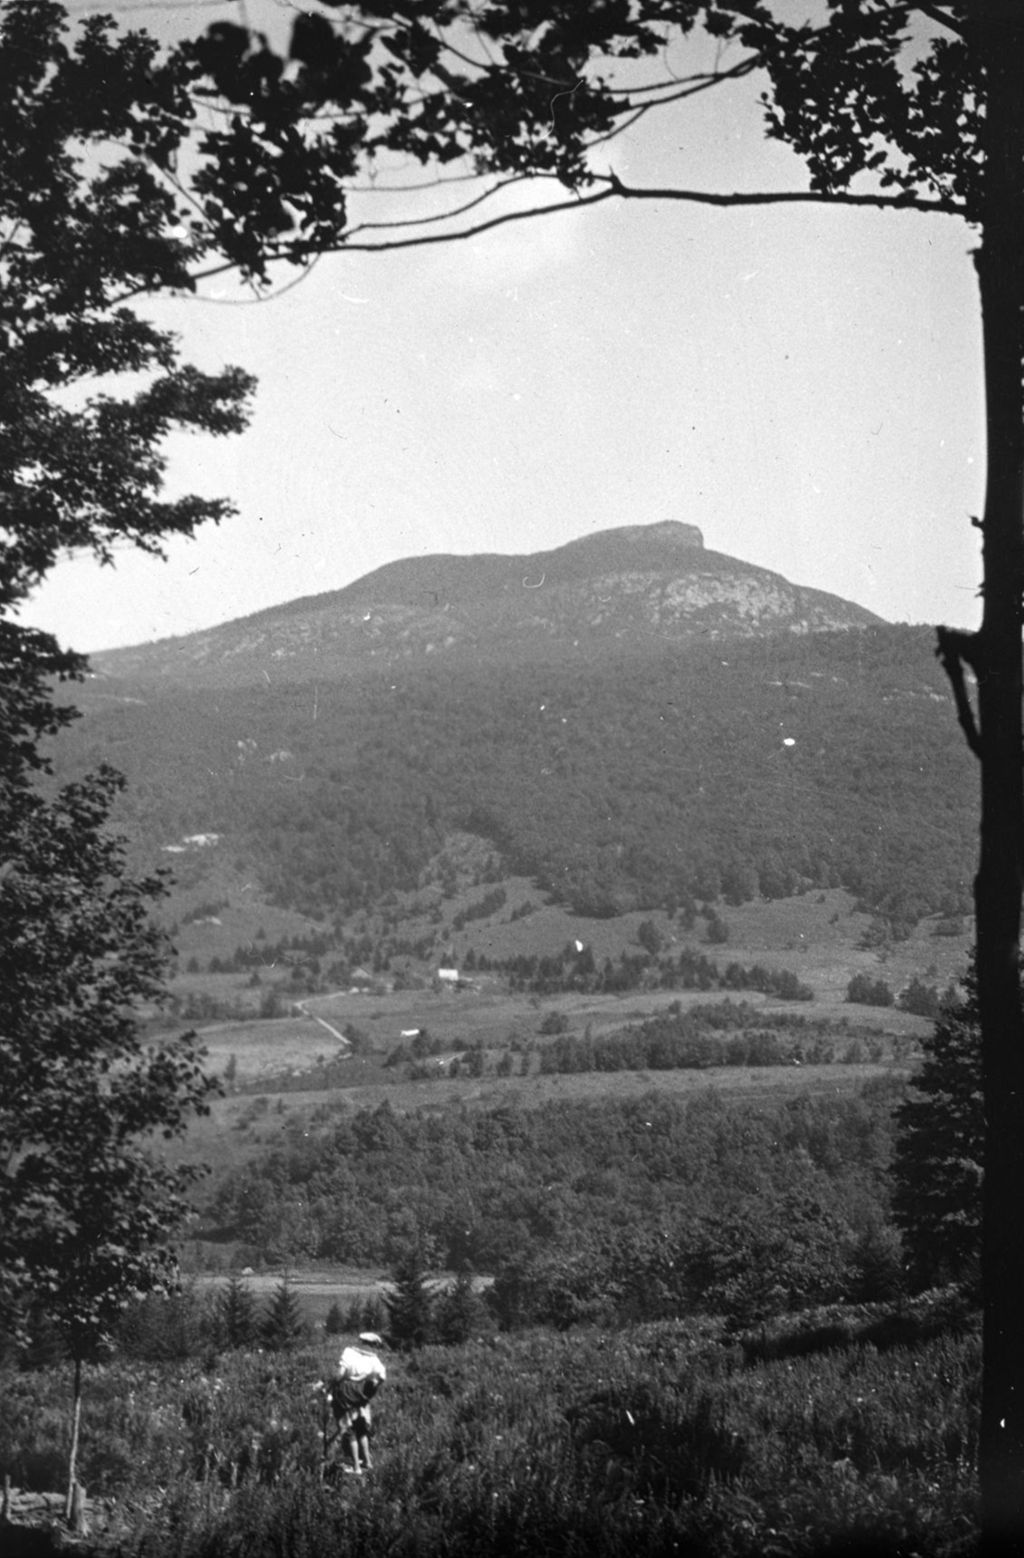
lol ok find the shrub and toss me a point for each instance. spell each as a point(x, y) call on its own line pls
point(167, 1327)
point(459, 1311)
point(865, 991)
point(921, 999)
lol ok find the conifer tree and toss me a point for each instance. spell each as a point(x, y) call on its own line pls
point(236, 1314)
point(459, 1310)
point(410, 1304)
point(938, 1163)
point(283, 1327)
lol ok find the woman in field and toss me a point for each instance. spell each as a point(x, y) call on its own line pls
point(360, 1375)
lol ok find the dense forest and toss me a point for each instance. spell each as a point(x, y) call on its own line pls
point(726, 770)
point(626, 1185)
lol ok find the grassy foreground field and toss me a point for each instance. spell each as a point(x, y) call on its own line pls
point(640, 1444)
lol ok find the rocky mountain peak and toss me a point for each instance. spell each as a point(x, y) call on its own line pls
point(613, 591)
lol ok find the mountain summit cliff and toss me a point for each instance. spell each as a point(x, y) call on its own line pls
point(616, 590)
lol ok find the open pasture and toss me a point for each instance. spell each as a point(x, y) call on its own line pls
point(268, 1047)
point(488, 1017)
point(820, 937)
point(750, 1084)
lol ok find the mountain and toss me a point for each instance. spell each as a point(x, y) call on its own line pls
point(629, 720)
point(634, 588)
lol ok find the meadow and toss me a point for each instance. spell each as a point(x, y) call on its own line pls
point(822, 937)
point(289, 1073)
point(667, 1438)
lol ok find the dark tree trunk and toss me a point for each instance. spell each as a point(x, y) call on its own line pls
point(995, 655)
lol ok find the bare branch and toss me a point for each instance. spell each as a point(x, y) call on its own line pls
point(698, 82)
point(466, 59)
point(700, 86)
point(343, 246)
point(614, 189)
point(937, 14)
point(444, 216)
point(415, 189)
point(900, 202)
point(208, 98)
point(9, 238)
point(954, 650)
point(623, 125)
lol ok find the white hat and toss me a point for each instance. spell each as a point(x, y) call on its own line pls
point(371, 1338)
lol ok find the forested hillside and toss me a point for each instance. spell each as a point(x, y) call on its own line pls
point(733, 768)
point(490, 1187)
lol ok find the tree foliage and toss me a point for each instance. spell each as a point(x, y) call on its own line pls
point(85, 1205)
point(582, 805)
point(508, 1185)
point(88, 218)
point(862, 990)
point(89, 391)
point(772, 1256)
point(884, 111)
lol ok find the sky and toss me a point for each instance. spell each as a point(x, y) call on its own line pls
point(804, 384)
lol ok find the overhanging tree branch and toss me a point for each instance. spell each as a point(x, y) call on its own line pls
point(697, 79)
point(615, 190)
point(954, 651)
point(937, 14)
point(456, 211)
point(905, 201)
